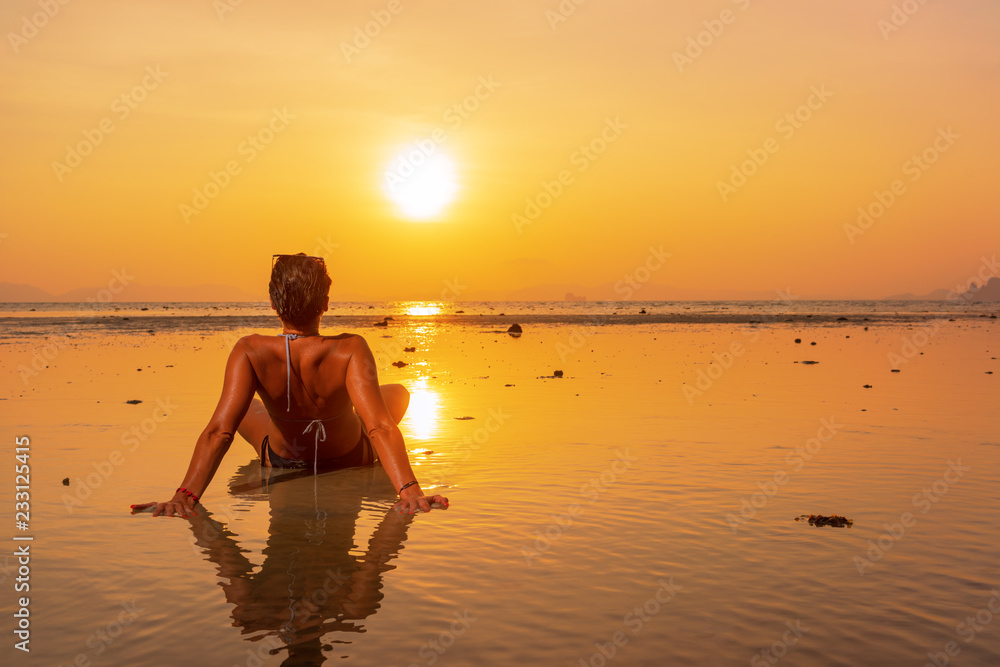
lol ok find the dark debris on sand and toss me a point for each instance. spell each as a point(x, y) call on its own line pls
point(133, 401)
point(834, 520)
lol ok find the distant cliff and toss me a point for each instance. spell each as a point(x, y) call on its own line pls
point(988, 292)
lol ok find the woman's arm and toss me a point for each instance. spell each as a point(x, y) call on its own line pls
point(365, 393)
point(237, 392)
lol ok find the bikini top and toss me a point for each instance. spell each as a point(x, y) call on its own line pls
point(314, 424)
point(288, 380)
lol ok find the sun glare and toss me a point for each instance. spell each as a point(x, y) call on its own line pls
point(422, 308)
point(421, 184)
point(423, 414)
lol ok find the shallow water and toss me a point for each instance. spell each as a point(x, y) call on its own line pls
point(641, 506)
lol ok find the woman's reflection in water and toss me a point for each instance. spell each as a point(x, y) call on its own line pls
point(310, 584)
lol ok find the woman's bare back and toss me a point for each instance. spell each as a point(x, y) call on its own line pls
point(316, 389)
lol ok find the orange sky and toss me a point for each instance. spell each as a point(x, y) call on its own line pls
point(198, 80)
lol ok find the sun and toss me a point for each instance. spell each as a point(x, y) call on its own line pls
point(421, 183)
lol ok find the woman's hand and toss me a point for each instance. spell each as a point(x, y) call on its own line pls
point(180, 506)
point(412, 500)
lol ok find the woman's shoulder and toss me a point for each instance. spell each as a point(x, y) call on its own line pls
point(348, 341)
point(257, 341)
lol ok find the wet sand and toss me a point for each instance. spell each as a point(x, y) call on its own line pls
point(639, 508)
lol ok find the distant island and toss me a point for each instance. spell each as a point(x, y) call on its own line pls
point(137, 293)
point(131, 292)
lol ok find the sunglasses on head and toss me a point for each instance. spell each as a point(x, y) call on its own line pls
point(274, 258)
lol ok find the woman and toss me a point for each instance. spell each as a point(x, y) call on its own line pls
point(320, 403)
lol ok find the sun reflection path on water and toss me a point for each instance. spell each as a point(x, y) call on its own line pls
point(422, 420)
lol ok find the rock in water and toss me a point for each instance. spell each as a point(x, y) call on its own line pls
point(834, 520)
point(399, 364)
point(514, 330)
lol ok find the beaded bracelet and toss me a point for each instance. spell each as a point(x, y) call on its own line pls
point(407, 485)
point(187, 493)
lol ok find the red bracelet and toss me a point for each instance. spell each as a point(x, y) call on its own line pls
point(188, 493)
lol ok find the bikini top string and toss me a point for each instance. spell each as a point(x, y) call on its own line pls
point(317, 423)
point(288, 369)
